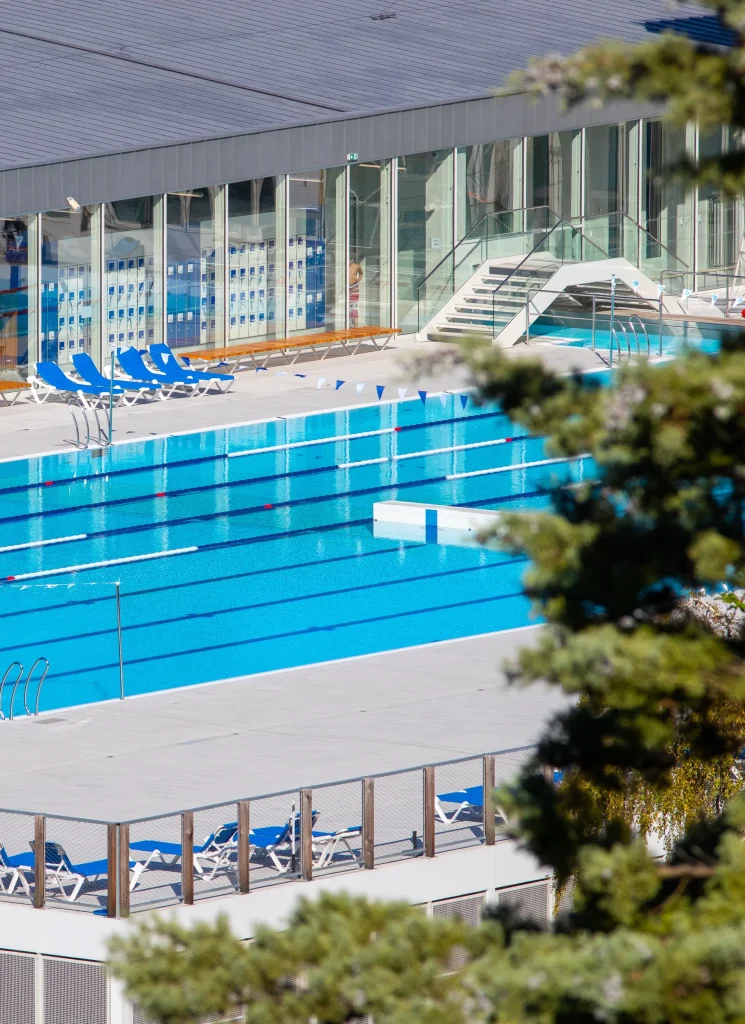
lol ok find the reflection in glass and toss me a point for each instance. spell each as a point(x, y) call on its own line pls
point(130, 275)
point(488, 182)
point(369, 244)
point(191, 271)
point(316, 271)
point(13, 292)
point(425, 225)
point(553, 168)
point(252, 252)
point(718, 230)
point(66, 283)
point(667, 213)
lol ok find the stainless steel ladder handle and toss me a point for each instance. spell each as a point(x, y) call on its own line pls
point(8, 670)
point(39, 686)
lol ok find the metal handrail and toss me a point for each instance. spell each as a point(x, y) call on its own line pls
point(635, 316)
point(75, 402)
point(39, 685)
point(8, 670)
point(635, 222)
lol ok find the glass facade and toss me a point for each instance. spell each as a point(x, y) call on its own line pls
point(193, 269)
point(488, 180)
point(66, 284)
point(252, 259)
point(667, 208)
point(425, 225)
point(316, 251)
point(369, 244)
point(553, 172)
point(718, 219)
point(14, 305)
point(346, 246)
point(132, 284)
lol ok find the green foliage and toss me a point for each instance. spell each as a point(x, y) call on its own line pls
point(696, 82)
point(339, 958)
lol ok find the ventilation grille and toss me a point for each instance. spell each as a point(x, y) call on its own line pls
point(466, 908)
point(74, 992)
point(16, 989)
point(530, 901)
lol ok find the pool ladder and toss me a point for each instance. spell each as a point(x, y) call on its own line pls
point(16, 683)
point(84, 438)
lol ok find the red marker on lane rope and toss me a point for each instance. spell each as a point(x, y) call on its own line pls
point(160, 494)
point(268, 506)
point(48, 483)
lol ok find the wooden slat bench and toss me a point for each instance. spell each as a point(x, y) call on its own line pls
point(14, 388)
point(258, 353)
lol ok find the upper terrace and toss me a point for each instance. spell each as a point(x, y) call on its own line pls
point(360, 748)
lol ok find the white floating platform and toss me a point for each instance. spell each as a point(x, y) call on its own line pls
point(442, 524)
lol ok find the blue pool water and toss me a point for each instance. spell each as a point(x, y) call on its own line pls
point(274, 561)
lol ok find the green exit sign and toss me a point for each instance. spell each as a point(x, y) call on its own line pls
point(352, 158)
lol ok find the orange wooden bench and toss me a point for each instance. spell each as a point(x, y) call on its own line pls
point(12, 387)
point(258, 353)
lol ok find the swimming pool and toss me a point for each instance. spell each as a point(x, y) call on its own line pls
point(250, 548)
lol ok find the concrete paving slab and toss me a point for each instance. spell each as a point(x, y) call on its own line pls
point(168, 751)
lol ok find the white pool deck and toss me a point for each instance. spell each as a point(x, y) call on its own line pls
point(28, 429)
point(263, 734)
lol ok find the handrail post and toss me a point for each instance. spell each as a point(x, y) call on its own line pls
point(594, 305)
point(124, 871)
point(490, 827)
point(244, 849)
point(40, 860)
point(187, 857)
point(118, 587)
point(368, 823)
point(111, 871)
point(428, 792)
point(306, 834)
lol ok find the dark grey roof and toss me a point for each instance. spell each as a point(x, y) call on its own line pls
point(80, 77)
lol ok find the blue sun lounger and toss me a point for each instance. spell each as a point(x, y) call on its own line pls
point(134, 366)
point(60, 872)
point(166, 361)
point(217, 851)
point(50, 379)
point(14, 867)
point(87, 369)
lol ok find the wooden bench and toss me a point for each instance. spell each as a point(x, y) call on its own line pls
point(258, 353)
point(16, 388)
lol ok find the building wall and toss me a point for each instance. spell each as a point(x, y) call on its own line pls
point(51, 961)
point(350, 245)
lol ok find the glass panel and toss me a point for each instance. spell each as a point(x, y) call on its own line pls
point(425, 224)
point(252, 259)
point(667, 213)
point(14, 293)
point(130, 273)
point(488, 181)
point(553, 172)
point(191, 269)
point(66, 283)
point(718, 236)
point(369, 244)
point(316, 258)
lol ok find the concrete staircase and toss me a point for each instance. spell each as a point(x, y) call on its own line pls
point(503, 296)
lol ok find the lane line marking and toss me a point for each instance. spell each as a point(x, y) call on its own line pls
point(436, 451)
point(42, 543)
point(101, 565)
point(306, 444)
point(520, 465)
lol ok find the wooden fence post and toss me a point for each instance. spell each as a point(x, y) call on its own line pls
point(368, 823)
point(244, 848)
point(429, 811)
point(187, 857)
point(490, 828)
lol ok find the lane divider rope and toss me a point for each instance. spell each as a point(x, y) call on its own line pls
point(520, 465)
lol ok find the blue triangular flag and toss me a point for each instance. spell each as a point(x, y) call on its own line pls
point(380, 388)
point(339, 384)
point(423, 396)
point(463, 401)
